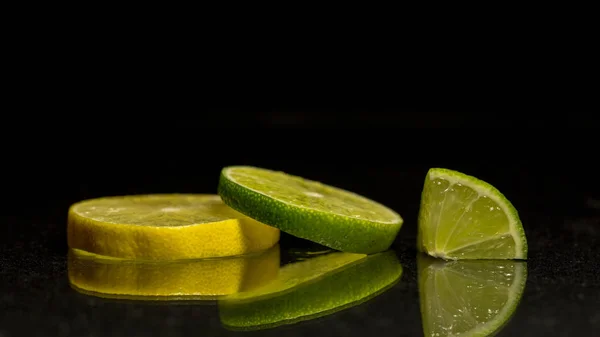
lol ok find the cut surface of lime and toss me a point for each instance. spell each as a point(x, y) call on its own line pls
point(165, 226)
point(473, 298)
point(310, 289)
point(462, 217)
point(310, 210)
point(200, 279)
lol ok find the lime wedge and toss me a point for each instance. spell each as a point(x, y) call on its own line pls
point(165, 227)
point(201, 279)
point(462, 217)
point(310, 210)
point(310, 289)
point(473, 298)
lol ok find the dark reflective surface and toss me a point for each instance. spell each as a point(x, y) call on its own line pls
point(561, 296)
point(253, 292)
point(558, 210)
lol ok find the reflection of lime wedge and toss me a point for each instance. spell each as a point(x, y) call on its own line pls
point(462, 217)
point(468, 298)
point(310, 210)
point(167, 226)
point(184, 279)
point(311, 288)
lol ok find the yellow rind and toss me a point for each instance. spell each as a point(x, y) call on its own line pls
point(236, 236)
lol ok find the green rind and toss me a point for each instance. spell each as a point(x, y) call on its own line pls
point(425, 261)
point(471, 180)
point(334, 231)
point(337, 290)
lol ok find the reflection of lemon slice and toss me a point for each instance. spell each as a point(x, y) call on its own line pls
point(469, 298)
point(184, 279)
point(167, 226)
point(310, 289)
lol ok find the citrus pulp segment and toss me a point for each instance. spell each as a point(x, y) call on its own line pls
point(310, 210)
point(168, 280)
point(165, 226)
point(462, 217)
point(473, 298)
point(312, 288)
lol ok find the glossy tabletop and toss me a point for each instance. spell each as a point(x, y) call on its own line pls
point(556, 292)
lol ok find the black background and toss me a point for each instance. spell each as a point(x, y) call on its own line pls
point(546, 164)
point(543, 163)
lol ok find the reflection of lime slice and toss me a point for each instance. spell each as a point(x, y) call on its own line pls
point(310, 210)
point(184, 279)
point(168, 226)
point(468, 298)
point(311, 288)
point(462, 217)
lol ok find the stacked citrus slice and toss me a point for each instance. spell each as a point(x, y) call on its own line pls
point(165, 227)
point(308, 209)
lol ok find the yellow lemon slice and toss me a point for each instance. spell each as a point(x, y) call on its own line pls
point(202, 279)
point(165, 226)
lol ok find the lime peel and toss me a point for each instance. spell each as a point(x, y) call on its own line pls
point(330, 216)
point(394, 218)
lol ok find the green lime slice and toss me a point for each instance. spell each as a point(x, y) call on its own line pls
point(469, 298)
point(310, 210)
point(462, 217)
point(310, 289)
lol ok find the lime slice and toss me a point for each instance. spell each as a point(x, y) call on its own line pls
point(310, 289)
point(468, 298)
point(170, 280)
point(169, 226)
point(462, 217)
point(310, 210)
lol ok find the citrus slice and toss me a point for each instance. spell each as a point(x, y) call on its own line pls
point(165, 226)
point(462, 217)
point(310, 289)
point(170, 280)
point(468, 298)
point(310, 210)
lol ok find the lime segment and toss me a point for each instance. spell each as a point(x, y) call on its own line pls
point(468, 298)
point(462, 217)
point(310, 210)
